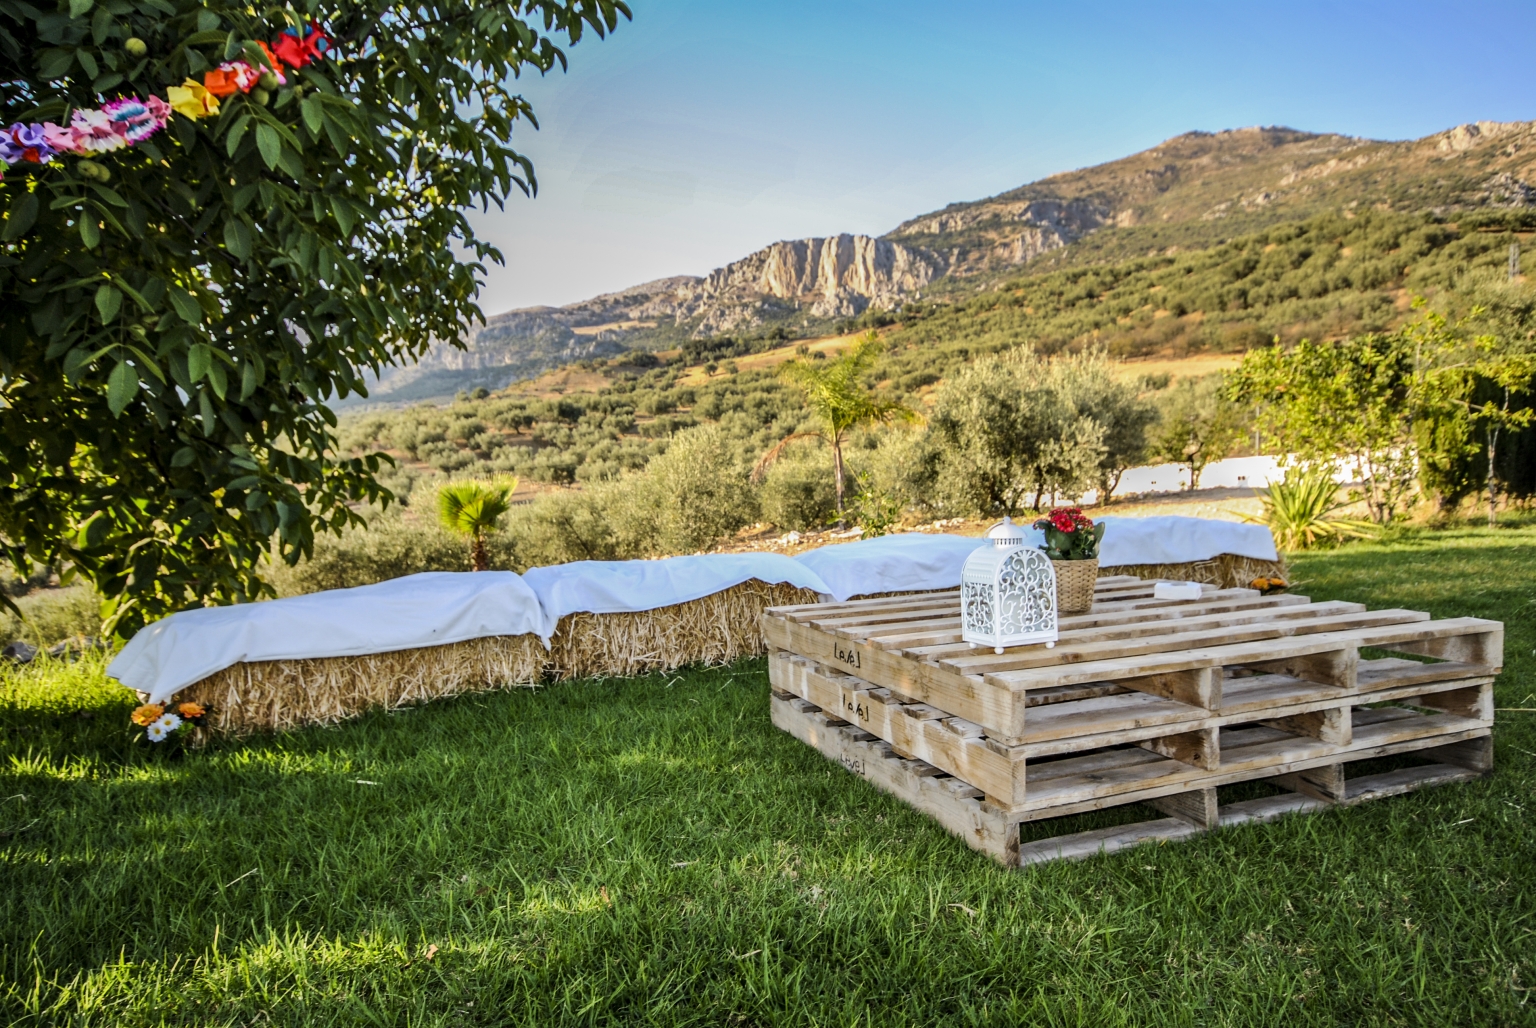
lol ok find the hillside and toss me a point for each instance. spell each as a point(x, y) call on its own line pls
point(1193, 192)
point(1324, 277)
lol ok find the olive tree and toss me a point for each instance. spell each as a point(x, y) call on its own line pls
point(175, 316)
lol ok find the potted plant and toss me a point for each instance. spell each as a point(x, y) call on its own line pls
point(1072, 543)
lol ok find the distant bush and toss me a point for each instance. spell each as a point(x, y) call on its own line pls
point(798, 492)
point(53, 615)
point(392, 546)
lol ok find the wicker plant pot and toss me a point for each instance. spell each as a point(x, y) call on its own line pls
point(1074, 584)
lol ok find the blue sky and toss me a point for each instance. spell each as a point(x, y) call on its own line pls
point(705, 129)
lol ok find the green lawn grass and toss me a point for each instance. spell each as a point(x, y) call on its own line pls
point(653, 851)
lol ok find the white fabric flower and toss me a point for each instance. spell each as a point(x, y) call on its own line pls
point(168, 723)
point(155, 731)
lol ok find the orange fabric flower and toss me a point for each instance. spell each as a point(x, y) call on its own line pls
point(147, 715)
point(276, 66)
point(190, 710)
point(221, 82)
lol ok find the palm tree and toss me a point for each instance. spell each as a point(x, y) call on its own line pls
point(840, 400)
point(472, 508)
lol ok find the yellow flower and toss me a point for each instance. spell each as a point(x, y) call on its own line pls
point(192, 99)
point(147, 714)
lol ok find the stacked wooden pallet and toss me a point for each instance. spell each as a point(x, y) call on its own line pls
point(1141, 700)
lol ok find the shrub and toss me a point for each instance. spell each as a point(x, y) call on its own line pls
point(53, 615)
point(1301, 510)
point(798, 492)
point(392, 546)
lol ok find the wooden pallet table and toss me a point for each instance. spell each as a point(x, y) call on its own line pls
point(1141, 700)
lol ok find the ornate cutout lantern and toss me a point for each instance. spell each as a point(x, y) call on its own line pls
point(1008, 592)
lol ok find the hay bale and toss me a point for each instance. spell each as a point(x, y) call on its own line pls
point(275, 695)
point(1225, 571)
point(716, 629)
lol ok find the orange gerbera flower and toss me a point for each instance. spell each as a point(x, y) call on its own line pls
point(190, 710)
point(148, 714)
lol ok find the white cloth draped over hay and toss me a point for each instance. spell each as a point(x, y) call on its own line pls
point(630, 586)
point(325, 656)
point(629, 617)
point(1179, 540)
point(912, 562)
point(1220, 553)
point(432, 609)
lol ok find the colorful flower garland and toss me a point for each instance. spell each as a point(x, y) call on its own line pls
point(124, 122)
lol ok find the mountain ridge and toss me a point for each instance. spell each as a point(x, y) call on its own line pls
point(1197, 187)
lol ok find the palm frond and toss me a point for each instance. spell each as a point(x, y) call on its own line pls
point(472, 507)
point(1300, 511)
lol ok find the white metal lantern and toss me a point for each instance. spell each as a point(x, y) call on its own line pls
point(1007, 592)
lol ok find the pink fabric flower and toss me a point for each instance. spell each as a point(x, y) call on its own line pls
point(137, 119)
point(59, 137)
point(96, 132)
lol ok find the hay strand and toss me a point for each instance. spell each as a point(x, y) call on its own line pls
point(275, 695)
point(716, 629)
point(1225, 571)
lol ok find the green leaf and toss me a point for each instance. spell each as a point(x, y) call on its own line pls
point(90, 232)
point(133, 294)
point(80, 8)
point(205, 409)
point(106, 82)
point(108, 302)
point(199, 360)
point(314, 115)
point(218, 379)
point(184, 456)
point(121, 387)
point(55, 64)
point(269, 143)
point(94, 532)
point(20, 217)
point(186, 306)
point(292, 163)
point(88, 62)
point(237, 238)
point(109, 194)
point(232, 142)
point(344, 215)
point(207, 22)
point(232, 46)
point(248, 381)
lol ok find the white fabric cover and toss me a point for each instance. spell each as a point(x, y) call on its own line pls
point(892, 563)
point(1178, 540)
point(620, 586)
point(428, 609)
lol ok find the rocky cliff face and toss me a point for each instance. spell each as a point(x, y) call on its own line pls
point(832, 277)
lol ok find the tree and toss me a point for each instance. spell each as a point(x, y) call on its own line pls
point(1198, 426)
point(474, 509)
point(1003, 430)
point(1088, 383)
point(1485, 382)
point(169, 342)
point(1352, 401)
point(840, 400)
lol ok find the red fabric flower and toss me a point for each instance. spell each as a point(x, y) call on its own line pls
point(296, 52)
